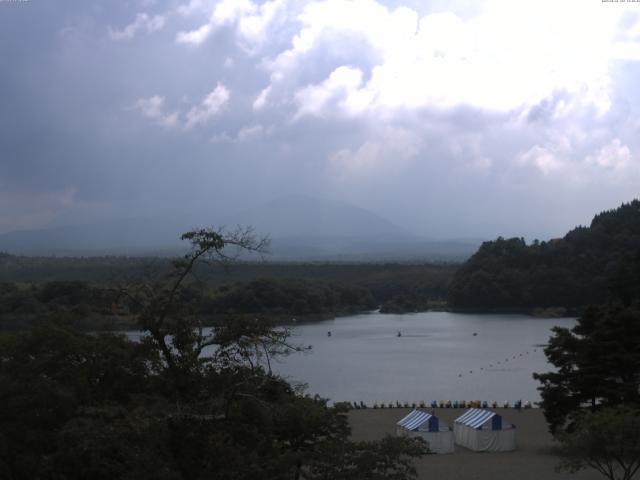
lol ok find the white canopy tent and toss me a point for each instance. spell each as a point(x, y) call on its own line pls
point(484, 431)
point(428, 427)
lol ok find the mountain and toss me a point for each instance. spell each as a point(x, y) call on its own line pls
point(569, 272)
point(307, 228)
point(300, 216)
point(301, 229)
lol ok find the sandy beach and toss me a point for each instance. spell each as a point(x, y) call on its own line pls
point(532, 459)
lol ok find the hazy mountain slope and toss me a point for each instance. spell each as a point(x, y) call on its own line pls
point(134, 236)
point(299, 216)
point(301, 228)
point(374, 249)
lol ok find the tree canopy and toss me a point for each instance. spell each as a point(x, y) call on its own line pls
point(183, 403)
point(597, 361)
point(569, 272)
point(606, 441)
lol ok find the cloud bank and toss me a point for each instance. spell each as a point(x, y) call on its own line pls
point(453, 119)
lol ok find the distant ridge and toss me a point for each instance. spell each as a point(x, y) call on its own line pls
point(301, 228)
point(301, 216)
point(312, 229)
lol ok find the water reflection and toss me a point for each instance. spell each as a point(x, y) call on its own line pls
point(437, 356)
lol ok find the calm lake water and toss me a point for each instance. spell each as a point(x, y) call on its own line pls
point(438, 357)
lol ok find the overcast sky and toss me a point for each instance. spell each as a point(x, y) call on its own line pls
point(449, 118)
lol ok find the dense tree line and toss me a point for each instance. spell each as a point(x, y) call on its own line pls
point(571, 272)
point(290, 297)
point(110, 269)
point(94, 307)
point(19, 268)
point(24, 305)
point(321, 291)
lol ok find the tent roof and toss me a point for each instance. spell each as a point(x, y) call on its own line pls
point(475, 417)
point(414, 420)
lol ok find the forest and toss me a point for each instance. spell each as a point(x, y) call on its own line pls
point(569, 272)
point(32, 289)
point(559, 276)
point(99, 406)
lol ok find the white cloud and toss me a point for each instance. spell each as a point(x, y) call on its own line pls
point(212, 104)
point(540, 158)
point(340, 87)
point(249, 133)
point(634, 30)
point(195, 37)
point(509, 57)
point(228, 11)
point(143, 22)
point(510, 93)
point(613, 156)
point(194, 7)
point(563, 159)
point(250, 19)
point(223, 137)
point(467, 149)
point(626, 51)
point(153, 108)
point(253, 26)
point(252, 132)
point(392, 146)
point(261, 100)
point(627, 45)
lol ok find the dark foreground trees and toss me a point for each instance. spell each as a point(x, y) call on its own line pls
point(592, 400)
point(597, 362)
point(183, 403)
point(607, 441)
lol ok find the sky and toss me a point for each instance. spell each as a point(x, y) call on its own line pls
point(450, 118)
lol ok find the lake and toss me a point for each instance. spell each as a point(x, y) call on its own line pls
point(438, 357)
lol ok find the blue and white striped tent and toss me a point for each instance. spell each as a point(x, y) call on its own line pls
point(420, 420)
point(428, 427)
point(476, 418)
point(484, 431)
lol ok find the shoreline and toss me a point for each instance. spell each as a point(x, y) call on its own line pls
point(124, 323)
point(533, 458)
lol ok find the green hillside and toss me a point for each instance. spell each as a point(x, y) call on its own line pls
point(571, 272)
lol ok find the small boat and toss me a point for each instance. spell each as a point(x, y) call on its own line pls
point(399, 333)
